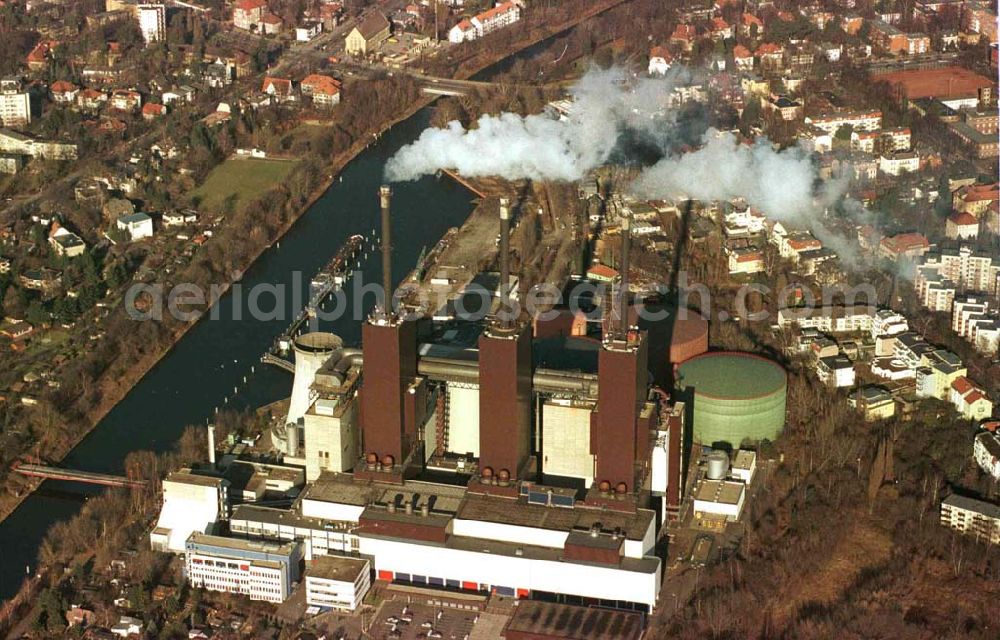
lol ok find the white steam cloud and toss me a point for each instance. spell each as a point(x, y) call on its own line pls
point(607, 105)
point(538, 147)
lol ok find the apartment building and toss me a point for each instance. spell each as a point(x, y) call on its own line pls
point(973, 517)
point(15, 104)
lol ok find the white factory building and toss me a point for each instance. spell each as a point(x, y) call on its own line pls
point(191, 503)
point(441, 535)
point(338, 583)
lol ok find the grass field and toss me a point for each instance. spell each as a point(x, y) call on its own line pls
point(245, 179)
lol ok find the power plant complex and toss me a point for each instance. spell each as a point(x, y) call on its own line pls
point(482, 456)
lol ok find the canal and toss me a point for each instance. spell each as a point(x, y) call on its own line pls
point(213, 358)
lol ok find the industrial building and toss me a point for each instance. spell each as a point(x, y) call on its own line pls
point(503, 456)
point(259, 570)
point(337, 582)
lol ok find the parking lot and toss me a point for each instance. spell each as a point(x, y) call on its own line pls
point(397, 620)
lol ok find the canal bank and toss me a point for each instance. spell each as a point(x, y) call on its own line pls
point(211, 360)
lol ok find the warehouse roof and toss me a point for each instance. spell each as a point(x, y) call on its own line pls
point(338, 568)
point(520, 513)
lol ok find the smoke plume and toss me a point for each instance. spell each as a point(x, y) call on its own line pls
point(609, 106)
point(605, 104)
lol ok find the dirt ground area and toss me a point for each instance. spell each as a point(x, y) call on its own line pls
point(863, 546)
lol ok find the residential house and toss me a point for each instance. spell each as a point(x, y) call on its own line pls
point(44, 280)
point(970, 400)
point(91, 100)
point(899, 162)
point(770, 56)
point(64, 92)
point(325, 90)
point(126, 100)
point(835, 371)
point(279, 89)
point(874, 402)
point(742, 58)
point(247, 14)
point(684, 36)
point(986, 451)
point(719, 29)
point(38, 58)
point(64, 242)
point(975, 198)
point(502, 15)
point(152, 110)
point(659, 61)
point(904, 245)
point(137, 225)
point(308, 31)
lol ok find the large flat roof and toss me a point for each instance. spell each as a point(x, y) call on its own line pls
point(520, 513)
point(339, 568)
point(345, 489)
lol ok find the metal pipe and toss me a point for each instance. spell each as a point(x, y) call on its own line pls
point(504, 255)
point(385, 197)
point(626, 247)
point(466, 370)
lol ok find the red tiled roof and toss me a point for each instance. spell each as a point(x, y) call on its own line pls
point(603, 271)
point(963, 219)
point(974, 397)
point(905, 241)
point(718, 24)
point(250, 5)
point(497, 10)
point(322, 84)
point(962, 385)
point(153, 109)
point(40, 53)
point(683, 32)
point(739, 51)
point(62, 86)
point(660, 52)
point(768, 48)
point(750, 19)
point(979, 192)
point(281, 85)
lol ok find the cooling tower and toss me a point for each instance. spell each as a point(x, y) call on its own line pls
point(311, 351)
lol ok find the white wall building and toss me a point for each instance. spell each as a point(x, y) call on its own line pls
point(836, 371)
point(986, 451)
point(719, 498)
point(488, 21)
point(337, 582)
point(137, 225)
point(974, 517)
point(260, 570)
point(152, 22)
point(191, 503)
point(964, 309)
point(15, 105)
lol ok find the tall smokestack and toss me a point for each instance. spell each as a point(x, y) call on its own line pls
point(626, 247)
point(504, 255)
point(385, 196)
point(211, 444)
